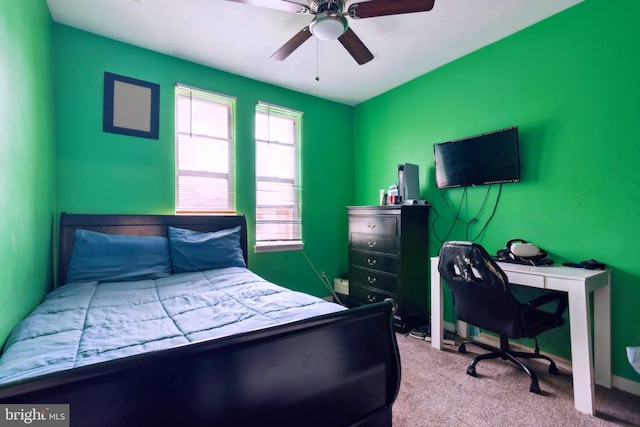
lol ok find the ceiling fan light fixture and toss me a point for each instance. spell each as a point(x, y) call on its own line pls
point(328, 26)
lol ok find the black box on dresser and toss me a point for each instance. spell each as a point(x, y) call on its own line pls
point(388, 258)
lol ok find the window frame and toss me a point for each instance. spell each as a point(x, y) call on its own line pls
point(219, 100)
point(296, 243)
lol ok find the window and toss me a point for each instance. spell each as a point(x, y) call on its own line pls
point(205, 155)
point(278, 187)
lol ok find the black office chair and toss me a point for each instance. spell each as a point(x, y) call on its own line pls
point(482, 297)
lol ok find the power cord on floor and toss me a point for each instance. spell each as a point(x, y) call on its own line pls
point(324, 279)
point(424, 333)
point(421, 333)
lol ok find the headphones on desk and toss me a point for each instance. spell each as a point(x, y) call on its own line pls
point(519, 249)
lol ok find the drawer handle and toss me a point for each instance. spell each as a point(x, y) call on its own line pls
point(371, 244)
point(371, 261)
point(371, 226)
point(371, 298)
point(371, 280)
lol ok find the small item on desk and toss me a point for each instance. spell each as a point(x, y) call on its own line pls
point(519, 251)
point(572, 264)
point(383, 197)
point(590, 264)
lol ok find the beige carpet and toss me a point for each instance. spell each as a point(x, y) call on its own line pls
point(436, 391)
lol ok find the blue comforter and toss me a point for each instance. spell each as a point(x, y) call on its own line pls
point(84, 323)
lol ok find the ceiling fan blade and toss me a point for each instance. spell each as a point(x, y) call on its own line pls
point(355, 47)
point(373, 8)
point(295, 42)
point(285, 5)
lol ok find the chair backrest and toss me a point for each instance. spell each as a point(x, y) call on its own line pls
point(480, 288)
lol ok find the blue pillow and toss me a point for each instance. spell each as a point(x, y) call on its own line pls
point(112, 257)
point(196, 251)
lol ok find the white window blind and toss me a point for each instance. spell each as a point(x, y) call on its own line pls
point(278, 187)
point(205, 152)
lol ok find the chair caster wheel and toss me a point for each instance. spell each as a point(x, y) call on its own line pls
point(534, 388)
point(471, 370)
point(553, 369)
point(462, 349)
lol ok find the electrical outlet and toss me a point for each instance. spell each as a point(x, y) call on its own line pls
point(341, 286)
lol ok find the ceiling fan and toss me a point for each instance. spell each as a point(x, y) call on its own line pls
point(330, 22)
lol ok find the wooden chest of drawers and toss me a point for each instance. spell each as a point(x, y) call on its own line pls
point(388, 258)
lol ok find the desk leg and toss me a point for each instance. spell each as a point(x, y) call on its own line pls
point(581, 354)
point(602, 334)
point(436, 307)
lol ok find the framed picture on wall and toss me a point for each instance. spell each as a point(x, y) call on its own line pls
point(131, 106)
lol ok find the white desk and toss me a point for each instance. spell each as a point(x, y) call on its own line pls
point(578, 283)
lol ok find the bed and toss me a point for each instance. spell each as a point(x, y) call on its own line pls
point(198, 342)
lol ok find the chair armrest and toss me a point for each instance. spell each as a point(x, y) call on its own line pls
point(547, 298)
point(544, 299)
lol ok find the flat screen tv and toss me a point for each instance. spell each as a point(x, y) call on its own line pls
point(488, 158)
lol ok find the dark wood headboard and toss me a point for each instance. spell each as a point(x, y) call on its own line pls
point(139, 225)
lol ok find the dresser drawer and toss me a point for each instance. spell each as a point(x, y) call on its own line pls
point(374, 261)
point(374, 243)
point(374, 279)
point(388, 258)
point(372, 224)
point(365, 295)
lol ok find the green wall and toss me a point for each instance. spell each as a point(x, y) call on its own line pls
point(110, 173)
point(27, 191)
point(571, 83)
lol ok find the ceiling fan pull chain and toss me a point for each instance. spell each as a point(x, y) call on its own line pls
point(317, 59)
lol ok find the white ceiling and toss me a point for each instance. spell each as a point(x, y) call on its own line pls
point(240, 38)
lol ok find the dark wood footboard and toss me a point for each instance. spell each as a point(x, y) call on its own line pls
point(341, 369)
